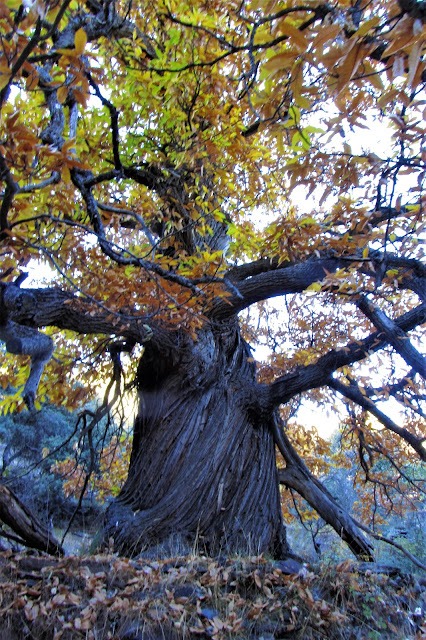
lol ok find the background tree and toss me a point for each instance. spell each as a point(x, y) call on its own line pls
point(151, 154)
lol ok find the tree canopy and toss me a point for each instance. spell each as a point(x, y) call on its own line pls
point(177, 164)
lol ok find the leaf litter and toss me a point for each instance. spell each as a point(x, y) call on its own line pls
point(106, 597)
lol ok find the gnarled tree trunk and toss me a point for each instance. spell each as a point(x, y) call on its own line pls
point(203, 462)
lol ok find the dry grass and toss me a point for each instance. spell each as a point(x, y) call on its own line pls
point(105, 597)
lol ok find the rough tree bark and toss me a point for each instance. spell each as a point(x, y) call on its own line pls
point(203, 464)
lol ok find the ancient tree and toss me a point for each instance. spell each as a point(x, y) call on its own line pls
point(200, 177)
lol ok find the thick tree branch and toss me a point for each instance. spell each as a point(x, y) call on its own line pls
point(291, 278)
point(268, 278)
point(106, 22)
point(54, 307)
point(317, 374)
point(65, 310)
point(250, 269)
point(394, 335)
point(298, 477)
point(352, 392)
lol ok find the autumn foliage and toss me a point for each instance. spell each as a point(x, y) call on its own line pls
point(167, 167)
point(110, 473)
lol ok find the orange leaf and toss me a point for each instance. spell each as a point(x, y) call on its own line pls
point(350, 65)
point(325, 34)
point(80, 41)
point(280, 61)
point(294, 34)
point(413, 61)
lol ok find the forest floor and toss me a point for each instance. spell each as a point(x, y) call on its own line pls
point(106, 597)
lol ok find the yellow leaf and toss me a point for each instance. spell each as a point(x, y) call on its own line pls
point(4, 80)
point(307, 221)
point(66, 174)
point(62, 94)
point(266, 7)
point(372, 76)
point(367, 26)
point(315, 286)
point(297, 84)
point(65, 55)
point(391, 273)
point(80, 41)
